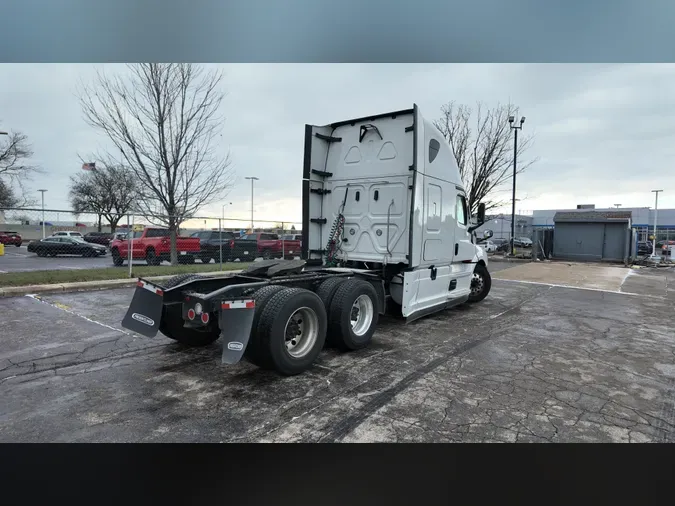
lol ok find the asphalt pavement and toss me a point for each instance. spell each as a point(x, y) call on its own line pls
point(19, 260)
point(532, 362)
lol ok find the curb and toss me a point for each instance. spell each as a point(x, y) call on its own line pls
point(87, 286)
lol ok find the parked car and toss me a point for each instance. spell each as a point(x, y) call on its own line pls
point(8, 238)
point(102, 238)
point(644, 248)
point(63, 245)
point(271, 246)
point(488, 246)
point(501, 244)
point(661, 244)
point(66, 233)
point(522, 242)
point(154, 246)
point(233, 247)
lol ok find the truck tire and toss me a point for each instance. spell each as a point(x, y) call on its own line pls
point(481, 282)
point(327, 289)
point(151, 257)
point(117, 259)
point(291, 331)
point(261, 298)
point(180, 279)
point(267, 254)
point(353, 315)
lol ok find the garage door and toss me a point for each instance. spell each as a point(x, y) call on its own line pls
point(578, 241)
point(614, 246)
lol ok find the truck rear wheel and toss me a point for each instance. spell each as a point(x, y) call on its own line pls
point(481, 282)
point(151, 257)
point(291, 332)
point(261, 298)
point(353, 315)
point(116, 257)
point(327, 289)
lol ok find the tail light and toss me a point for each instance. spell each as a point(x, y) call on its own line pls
point(191, 314)
point(205, 318)
point(232, 243)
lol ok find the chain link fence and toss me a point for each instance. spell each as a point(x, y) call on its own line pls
point(134, 239)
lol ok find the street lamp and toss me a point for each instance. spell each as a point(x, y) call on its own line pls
point(515, 129)
point(220, 231)
point(252, 178)
point(656, 214)
point(43, 212)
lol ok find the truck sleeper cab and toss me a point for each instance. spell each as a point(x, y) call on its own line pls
point(386, 228)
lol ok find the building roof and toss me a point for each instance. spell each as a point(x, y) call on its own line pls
point(592, 216)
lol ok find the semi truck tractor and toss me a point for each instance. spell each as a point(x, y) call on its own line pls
point(386, 229)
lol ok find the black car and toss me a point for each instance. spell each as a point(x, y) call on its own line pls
point(53, 246)
point(102, 238)
point(210, 245)
point(644, 248)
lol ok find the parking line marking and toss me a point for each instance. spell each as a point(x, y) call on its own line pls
point(553, 285)
point(62, 307)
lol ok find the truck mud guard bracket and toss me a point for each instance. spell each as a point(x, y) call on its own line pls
point(145, 311)
point(235, 318)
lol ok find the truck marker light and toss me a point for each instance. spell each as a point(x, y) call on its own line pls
point(150, 288)
point(240, 304)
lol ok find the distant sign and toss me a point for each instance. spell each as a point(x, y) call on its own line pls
point(138, 228)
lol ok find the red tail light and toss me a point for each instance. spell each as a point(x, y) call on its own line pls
point(191, 314)
point(205, 318)
point(232, 243)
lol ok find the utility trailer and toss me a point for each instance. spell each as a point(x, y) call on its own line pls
point(386, 229)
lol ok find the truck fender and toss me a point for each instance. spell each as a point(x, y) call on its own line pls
point(235, 318)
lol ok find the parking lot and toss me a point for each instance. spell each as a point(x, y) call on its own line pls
point(19, 260)
point(558, 355)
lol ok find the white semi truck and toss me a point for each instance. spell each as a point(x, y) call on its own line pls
point(386, 229)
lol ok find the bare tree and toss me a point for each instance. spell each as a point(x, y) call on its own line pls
point(108, 191)
point(483, 147)
point(7, 196)
point(15, 168)
point(164, 120)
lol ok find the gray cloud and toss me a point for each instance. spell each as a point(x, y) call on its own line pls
point(602, 132)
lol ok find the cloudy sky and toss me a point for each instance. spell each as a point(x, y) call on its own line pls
point(603, 133)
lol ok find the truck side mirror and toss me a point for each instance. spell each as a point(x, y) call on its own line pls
point(487, 234)
point(481, 213)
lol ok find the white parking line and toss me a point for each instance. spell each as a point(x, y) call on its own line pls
point(578, 288)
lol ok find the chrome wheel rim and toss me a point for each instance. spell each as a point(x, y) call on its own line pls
point(476, 284)
point(301, 332)
point(362, 314)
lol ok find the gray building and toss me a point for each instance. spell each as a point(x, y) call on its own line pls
point(500, 224)
point(593, 236)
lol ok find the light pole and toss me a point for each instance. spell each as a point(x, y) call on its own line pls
point(656, 214)
point(515, 129)
point(220, 231)
point(43, 212)
point(252, 178)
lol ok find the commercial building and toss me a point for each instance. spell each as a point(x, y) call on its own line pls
point(609, 234)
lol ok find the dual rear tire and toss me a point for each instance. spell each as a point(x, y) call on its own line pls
point(291, 325)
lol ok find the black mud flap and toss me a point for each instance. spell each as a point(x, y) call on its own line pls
point(145, 310)
point(235, 320)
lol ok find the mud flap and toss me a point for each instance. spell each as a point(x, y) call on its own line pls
point(145, 311)
point(235, 320)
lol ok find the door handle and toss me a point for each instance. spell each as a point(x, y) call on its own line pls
point(456, 248)
point(433, 272)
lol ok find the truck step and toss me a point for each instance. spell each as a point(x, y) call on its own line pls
point(328, 138)
point(317, 251)
point(322, 173)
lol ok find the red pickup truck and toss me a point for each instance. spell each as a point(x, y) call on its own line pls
point(271, 246)
point(154, 246)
